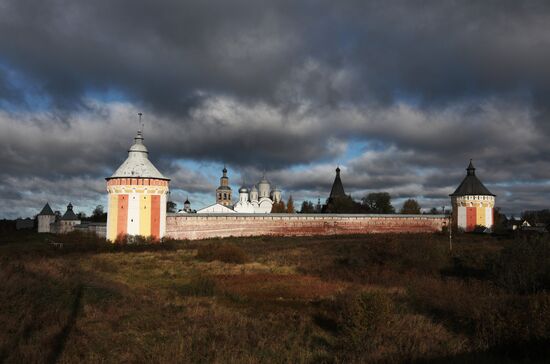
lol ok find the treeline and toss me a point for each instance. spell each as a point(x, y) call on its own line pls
point(373, 203)
point(98, 215)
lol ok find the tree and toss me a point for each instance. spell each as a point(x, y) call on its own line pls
point(307, 207)
point(290, 205)
point(433, 211)
point(171, 206)
point(278, 208)
point(378, 203)
point(500, 222)
point(342, 205)
point(98, 215)
point(410, 207)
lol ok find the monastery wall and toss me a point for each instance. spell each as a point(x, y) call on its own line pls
point(202, 226)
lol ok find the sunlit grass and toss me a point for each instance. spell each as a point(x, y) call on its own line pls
point(299, 300)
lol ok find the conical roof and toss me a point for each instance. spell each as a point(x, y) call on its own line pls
point(46, 210)
point(471, 185)
point(69, 214)
point(138, 164)
point(337, 189)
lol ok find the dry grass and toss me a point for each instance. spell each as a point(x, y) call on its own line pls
point(389, 298)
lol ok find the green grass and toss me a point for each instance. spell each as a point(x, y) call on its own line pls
point(390, 298)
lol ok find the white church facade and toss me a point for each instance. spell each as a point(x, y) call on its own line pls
point(258, 199)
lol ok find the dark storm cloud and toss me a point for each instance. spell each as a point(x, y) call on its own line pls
point(272, 86)
point(161, 53)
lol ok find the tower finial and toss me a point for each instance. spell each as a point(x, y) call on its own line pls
point(140, 126)
point(471, 169)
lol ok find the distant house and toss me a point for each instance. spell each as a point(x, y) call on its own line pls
point(49, 222)
point(97, 228)
point(24, 224)
point(67, 222)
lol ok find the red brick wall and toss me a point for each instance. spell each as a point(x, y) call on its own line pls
point(201, 226)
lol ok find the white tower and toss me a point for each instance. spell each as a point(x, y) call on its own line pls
point(46, 217)
point(137, 196)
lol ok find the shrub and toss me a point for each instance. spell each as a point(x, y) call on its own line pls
point(524, 265)
point(199, 285)
point(360, 317)
point(226, 252)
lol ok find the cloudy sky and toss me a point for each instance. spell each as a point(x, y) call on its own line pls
point(400, 94)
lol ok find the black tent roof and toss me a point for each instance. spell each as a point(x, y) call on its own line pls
point(337, 189)
point(471, 185)
point(46, 210)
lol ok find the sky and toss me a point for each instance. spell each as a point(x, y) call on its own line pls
point(399, 94)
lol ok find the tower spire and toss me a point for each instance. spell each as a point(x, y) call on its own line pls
point(471, 169)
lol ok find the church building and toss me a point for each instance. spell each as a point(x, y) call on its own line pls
point(137, 196)
point(338, 201)
point(473, 204)
point(223, 192)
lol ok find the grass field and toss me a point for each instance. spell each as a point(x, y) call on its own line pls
point(390, 298)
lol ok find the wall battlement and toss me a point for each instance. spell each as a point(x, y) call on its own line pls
point(203, 226)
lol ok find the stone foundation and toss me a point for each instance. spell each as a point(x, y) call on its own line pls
point(202, 226)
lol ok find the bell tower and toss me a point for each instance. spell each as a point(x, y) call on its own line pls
point(223, 192)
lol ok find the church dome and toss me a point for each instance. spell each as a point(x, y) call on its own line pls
point(243, 189)
point(138, 165)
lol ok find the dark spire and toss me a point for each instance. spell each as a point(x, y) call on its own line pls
point(471, 170)
point(337, 189)
point(224, 170)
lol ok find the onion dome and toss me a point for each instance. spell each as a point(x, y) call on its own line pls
point(263, 183)
point(471, 185)
point(138, 164)
point(243, 189)
point(253, 189)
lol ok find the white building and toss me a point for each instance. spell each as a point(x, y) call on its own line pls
point(258, 200)
point(216, 209)
point(244, 206)
point(45, 218)
point(137, 196)
point(67, 222)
